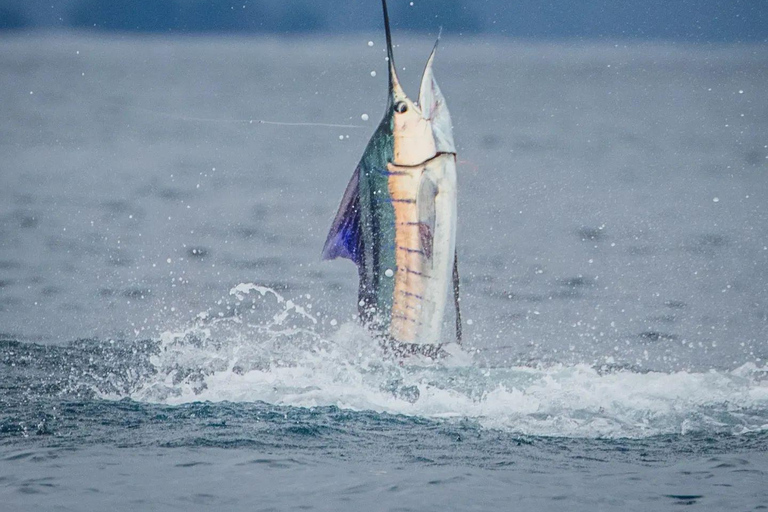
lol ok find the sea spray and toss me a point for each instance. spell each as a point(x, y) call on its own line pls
point(267, 348)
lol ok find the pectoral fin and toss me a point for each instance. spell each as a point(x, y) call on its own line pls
point(427, 239)
point(344, 239)
point(426, 205)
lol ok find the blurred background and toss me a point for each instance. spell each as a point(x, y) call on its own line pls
point(613, 162)
point(689, 20)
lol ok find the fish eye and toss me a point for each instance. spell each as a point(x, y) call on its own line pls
point(401, 107)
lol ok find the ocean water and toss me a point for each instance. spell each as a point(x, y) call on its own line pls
point(169, 339)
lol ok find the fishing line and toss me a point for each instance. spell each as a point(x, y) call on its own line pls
point(242, 121)
point(473, 166)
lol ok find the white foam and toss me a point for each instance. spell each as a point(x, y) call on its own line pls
point(236, 359)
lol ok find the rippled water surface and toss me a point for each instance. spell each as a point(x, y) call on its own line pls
point(169, 339)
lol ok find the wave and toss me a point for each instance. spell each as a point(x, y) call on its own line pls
point(264, 347)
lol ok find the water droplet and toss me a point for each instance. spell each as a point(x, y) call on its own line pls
point(370, 43)
point(389, 273)
point(364, 117)
point(373, 73)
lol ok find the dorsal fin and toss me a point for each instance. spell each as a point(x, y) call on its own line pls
point(344, 238)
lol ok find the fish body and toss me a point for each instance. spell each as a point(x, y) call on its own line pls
point(397, 219)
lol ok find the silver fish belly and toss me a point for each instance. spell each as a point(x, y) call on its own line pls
point(425, 248)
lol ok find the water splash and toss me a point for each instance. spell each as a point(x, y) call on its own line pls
point(267, 348)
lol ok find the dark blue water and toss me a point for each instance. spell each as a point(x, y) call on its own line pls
point(169, 339)
point(64, 445)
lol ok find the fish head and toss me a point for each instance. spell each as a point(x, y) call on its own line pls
point(420, 130)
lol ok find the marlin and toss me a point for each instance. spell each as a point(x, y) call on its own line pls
point(397, 219)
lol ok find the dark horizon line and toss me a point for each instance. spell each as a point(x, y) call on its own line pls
point(409, 31)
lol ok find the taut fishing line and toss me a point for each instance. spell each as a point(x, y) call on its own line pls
point(241, 121)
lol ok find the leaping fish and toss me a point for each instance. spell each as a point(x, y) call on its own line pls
point(397, 219)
